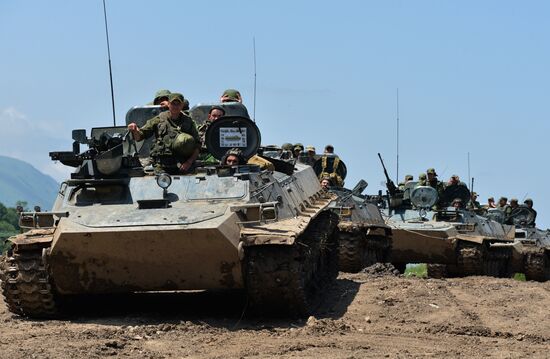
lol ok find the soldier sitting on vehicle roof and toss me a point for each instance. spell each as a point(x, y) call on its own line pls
point(161, 98)
point(422, 180)
point(231, 95)
point(529, 203)
point(473, 203)
point(434, 182)
point(504, 206)
point(401, 185)
point(177, 142)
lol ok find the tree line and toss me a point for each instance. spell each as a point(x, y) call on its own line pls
point(9, 222)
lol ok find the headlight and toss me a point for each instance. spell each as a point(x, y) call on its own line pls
point(164, 180)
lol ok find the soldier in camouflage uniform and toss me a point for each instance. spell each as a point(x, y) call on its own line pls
point(161, 98)
point(205, 157)
point(231, 95)
point(473, 203)
point(504, 206)
point(286, 153)
point(434, 182)
point(529, 203)
point(177, 140)
point(401, 185)
point(310, 157)
point(422, 181)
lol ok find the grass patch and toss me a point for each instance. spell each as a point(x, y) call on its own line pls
point(416, 270)
point(519, 276)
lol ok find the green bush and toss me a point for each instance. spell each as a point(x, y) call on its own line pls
point(416, 270)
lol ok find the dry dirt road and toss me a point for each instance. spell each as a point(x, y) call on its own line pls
point(363, 315)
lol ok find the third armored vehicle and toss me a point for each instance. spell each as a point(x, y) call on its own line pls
point(452, 241)
point(531, 249)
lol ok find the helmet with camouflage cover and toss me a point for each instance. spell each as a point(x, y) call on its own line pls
point(159, 95)
point(184, 145)
point(287, 146)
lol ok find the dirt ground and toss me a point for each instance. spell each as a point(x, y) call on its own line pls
point(363, 315)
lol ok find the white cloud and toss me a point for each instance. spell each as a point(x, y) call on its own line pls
point(31, 141)
point(57, 170)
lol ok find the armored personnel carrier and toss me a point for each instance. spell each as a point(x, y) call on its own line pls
point(531, 249)
point(452, 241)
point(117, 226)
point(363, 236)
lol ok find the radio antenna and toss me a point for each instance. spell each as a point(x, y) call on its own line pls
point(470, 179)
point(397, 171)
point(254, 108)
point(110, 69)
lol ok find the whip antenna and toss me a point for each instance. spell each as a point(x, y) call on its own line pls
point(470, 179)
point(397, 172)
point(110, 70)
point(254, 108)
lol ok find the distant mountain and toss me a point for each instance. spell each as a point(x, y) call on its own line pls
point(19, 181)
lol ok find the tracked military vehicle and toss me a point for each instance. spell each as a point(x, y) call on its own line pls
point(363, 236)
point(531, 249)
point(117, 227)
point(452, 241)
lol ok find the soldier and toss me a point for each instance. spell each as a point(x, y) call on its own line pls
point(503, 206)
point(286, 153)
point(329, 149)
point(408, 178)
point(177, 139)
point(233, 157)
point(214, 113)
point(205, 157)
point(454, 180)
point(326, 183)
point(473, 203)
point(311, 158)
point(529, 203)
point(434, 182)
point(422, 181)
point(231, 95)
point(297, 150)
point(161, 98)
point(457, 203)
point(491, 202)
point(514, 203)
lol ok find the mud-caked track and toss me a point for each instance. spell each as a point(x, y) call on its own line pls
point(537, 264)
point(359, 250)
point(287, 280)
point(25, 284)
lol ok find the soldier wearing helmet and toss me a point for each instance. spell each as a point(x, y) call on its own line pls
point(504, 206)
point(161, 98)
point(233, 157)
point(231, 95)
point(177, 140)
point(408, 178)
point(422, 181)
point(529, 203)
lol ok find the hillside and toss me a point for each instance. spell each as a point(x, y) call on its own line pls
point(19, 181)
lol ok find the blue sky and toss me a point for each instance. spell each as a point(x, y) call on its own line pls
point(472, 76)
